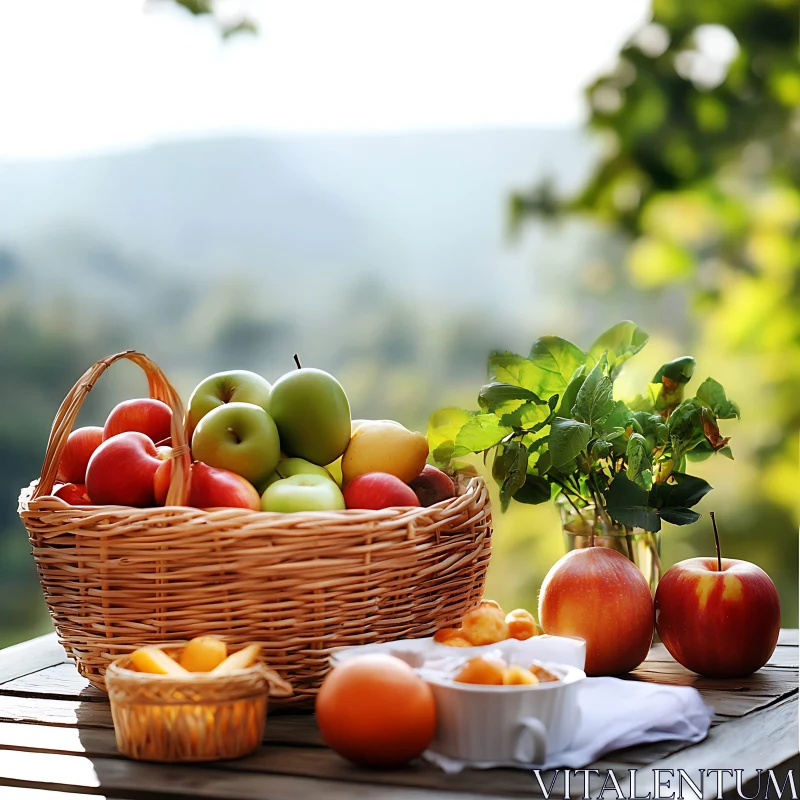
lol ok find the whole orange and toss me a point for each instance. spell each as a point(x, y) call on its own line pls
point(374, 709)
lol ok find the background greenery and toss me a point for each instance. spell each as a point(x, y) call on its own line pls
point(686, 220)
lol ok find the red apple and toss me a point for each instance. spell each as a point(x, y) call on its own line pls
point(599, 595)
point(432, 486)
point(81, 443)
point(721, 623)
point(210, 488)
point(73, 493)
point(377, 490)
point(150, 417)
point(122, 469)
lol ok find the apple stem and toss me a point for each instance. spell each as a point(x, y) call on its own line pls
point(297, 361)
point(716, 540)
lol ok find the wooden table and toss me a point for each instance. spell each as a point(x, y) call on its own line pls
point(56, 739)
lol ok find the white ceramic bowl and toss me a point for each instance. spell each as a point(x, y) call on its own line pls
point(506, 723)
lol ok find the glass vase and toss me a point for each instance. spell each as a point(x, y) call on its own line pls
point(640, 546)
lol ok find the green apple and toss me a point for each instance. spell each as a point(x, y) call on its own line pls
point(234, 386)
point(312, 413)
point(287, 467)
point(240, 437)
point(303, 492)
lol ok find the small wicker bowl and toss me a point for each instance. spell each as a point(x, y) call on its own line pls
point(201, 717)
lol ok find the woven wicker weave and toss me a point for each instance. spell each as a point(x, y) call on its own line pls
point(199, 717)
point(116, 578)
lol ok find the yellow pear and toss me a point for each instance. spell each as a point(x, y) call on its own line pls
point(383, 445)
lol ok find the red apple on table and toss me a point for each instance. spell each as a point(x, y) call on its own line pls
point(599, 595)
point(73, 493)
point(432, 486)
point(121, 471)
point(376, 490)
point(210, 487)
point(145, 415)
point(719, 617)
point(81, 443)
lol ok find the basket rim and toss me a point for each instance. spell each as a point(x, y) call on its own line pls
point(206, 678)
point(242, 677)
point(468, 484)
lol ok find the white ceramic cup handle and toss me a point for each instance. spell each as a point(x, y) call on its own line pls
point(531, 744)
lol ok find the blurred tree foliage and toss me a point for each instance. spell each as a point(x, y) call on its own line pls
point(700, 178)
point(227, 26)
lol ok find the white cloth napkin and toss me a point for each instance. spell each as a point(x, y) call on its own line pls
point(616, 714)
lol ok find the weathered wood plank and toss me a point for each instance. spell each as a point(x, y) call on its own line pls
point(760, 740)
point(275, 760)
point(784, 656)
point(54, 771)
point(55, 712)
point(293, 729)
point(63, 681)
point(26, 657)
point(735, 704)
point(768, 681)
point(295, 761)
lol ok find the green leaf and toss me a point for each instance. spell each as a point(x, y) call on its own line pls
point(679, 516)
point(544, 463)
point(557, 359)
point(571, 392)
point(727, 452)
point(679, 371)
point(530, 416)
point(685, 426)
point(620, 417)
point(443, 427)
point(496, 394)
point(567, 439)
point(637, 453)
point(700, 453)
point(518, 371)
point(622, 341)
point(595, 400)
point(629, 504)
point(600, 449)
point(535, 490)
point(515, 468)
point(480, 433)
point(711, 394)
point(648, 399)
point(685, 492)
point(652, 427)
point(535, 445)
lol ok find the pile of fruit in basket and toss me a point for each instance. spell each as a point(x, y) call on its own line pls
point(201, 654)
point(285, 447)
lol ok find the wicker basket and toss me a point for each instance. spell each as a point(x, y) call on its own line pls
point(116, 578)
point(200, 717)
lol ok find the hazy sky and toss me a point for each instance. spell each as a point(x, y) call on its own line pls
point(82, 76)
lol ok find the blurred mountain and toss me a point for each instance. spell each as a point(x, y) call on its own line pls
point(297, 216)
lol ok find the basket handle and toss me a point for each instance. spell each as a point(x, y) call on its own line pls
point(160, 389)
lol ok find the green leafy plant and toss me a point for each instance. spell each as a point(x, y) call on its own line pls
point(553, 427)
